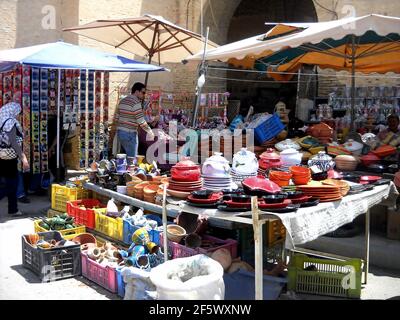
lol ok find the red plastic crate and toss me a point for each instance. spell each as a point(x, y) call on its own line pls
point(84, 216)
point(105, 277)
point(180, 251)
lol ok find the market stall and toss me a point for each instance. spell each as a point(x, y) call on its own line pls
point(54, 76)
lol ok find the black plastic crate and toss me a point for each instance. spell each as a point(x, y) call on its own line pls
point(52, 264)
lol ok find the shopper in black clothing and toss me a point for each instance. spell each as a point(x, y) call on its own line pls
point(12, 138)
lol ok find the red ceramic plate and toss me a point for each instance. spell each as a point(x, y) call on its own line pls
point(301, 199)
point(370, 178)
point(260, 183)
point(284, 204)
point(213, 199)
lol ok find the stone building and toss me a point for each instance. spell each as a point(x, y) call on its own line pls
point(27, 22)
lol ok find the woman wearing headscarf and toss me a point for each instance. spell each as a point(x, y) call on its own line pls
point(13, 136)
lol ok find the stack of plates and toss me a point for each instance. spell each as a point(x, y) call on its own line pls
point(343, 186)
point(238, 177)
point(181, 189)
point(326, 193)
point(217, 184)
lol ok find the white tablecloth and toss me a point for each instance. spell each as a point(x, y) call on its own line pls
point(307, 224)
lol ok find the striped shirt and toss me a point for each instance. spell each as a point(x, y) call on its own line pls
point(130, 116)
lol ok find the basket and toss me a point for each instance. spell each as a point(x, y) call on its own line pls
point(51, 264)
point(326, 277)
point(104, 276)
point(84, 216)
point(269, 129)
point(60, 195)
point(111, 227)
point(129, 229)
point(67, 234)
point(180, 251)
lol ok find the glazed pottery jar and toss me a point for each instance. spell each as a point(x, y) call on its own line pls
point(287, 144)
point(186, 171)
point(121, 163)
point(245, 162)
point(216, 166)
point(291, 157)
point(269, 159)
point(323, 161)
point(354, 147)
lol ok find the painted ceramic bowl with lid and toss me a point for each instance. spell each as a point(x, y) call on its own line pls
point(245, 162)
point(323, 161)
point(186, 171)
point(287, 144)
point(291, 157)
point(354, 147)
point(269, 159)
point(216, 166)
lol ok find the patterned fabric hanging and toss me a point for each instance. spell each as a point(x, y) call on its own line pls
point(44, 107)
point(35, 105)
point(75, 103)
point(17, 85)
point(106, 90)
point(1, 90)
point(83, 158)
point(97, 116)
point(7, 88)
point(53, 76)
point(91, 139)
point(26, 111)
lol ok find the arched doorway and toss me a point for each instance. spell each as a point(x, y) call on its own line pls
point(248, 18)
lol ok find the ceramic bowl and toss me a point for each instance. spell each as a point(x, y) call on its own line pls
point(242, 198)
point(319, 176)
point(202, 194)
point(275, 198)
point(175, 233)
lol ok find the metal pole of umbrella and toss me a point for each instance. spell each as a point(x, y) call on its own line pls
point(58, 123)
point(151, 52)
point(353, 82)
point(202, 72)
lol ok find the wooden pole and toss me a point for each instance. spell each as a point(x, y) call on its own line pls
point(164, 219)
point(258, 245)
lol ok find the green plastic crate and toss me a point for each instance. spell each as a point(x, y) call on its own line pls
point(325, 277)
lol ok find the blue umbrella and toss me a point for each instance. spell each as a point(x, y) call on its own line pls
point(62, 55)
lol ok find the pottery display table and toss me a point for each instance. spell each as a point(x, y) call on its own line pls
point(304, 225)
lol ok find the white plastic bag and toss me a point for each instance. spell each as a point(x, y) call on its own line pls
point(193, 278)
point(112, 208)
point(138, 285)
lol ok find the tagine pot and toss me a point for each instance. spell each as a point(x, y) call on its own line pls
point(216, 166)
point(186, 171)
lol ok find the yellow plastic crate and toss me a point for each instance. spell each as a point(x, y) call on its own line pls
point(112, 227)
point(68, 234)
point(60, 195)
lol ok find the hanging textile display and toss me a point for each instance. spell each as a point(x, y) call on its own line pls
point(75, 102)
point(7, 88)
point(35, 105)
point(68, 95)
point(26, 111)
point(1, 90)
point(83, 158)
point(53, 92)
point(97, 116)
point(17, 85)
point(44, 102)
point(106, 90)
point(91, 139)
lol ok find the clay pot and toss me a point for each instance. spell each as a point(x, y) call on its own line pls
point(193, 241)
point(84, 238)
point(32, 238)
point(192, 223)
